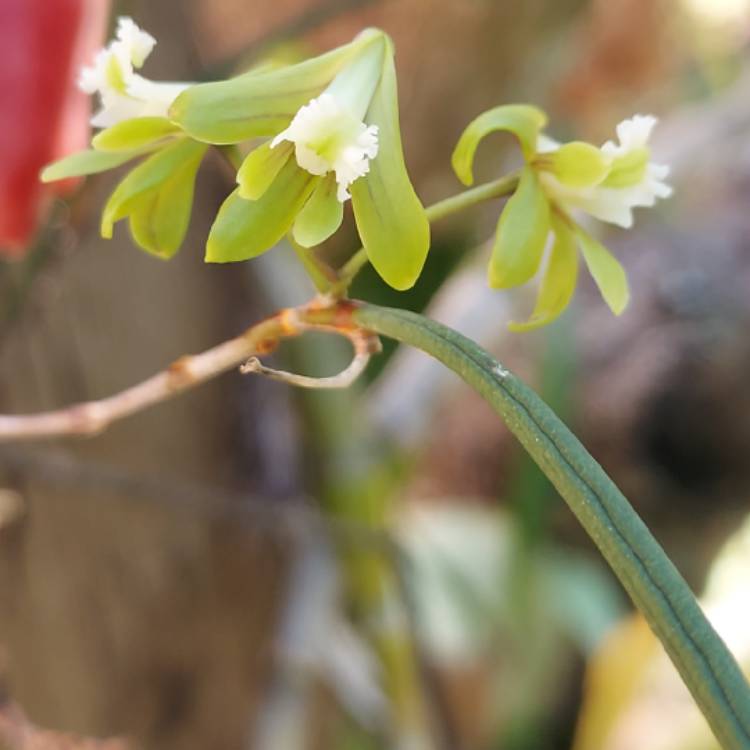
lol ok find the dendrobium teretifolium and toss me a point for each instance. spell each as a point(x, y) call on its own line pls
point(326, 131)
point(558, 182)
point(328, 138)
point(624, 178)
point(156, 197)
point(123, 93)
point(333, 134)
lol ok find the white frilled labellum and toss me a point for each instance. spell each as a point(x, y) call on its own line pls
point(328, 138)
point(123, 93)
point(632, 180)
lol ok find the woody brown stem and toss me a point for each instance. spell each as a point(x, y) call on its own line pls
point(92, 417)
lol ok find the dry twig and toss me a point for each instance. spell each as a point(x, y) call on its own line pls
point(188, 371)
point(18, 733)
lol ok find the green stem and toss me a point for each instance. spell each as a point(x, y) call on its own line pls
point(707, 667)
point(446, 207)
point(320, 273)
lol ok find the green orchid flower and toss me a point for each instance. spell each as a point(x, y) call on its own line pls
point(557, 182)
point(332, 134)
point(156, 196)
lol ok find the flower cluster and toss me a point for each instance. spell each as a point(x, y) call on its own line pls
point(156, 197)
point(317, 134)
point(559, 183)
point(331, 134)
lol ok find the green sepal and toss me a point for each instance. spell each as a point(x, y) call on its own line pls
point(244, 229)
point(321, 216)
point(578, 164)
point(607, 272)
point(524, 121)
point(86, 162)
point(521, 234)
point(157, 196)
point(354, 86)
point(160, 221)
point(259, 103)
point(559, 280)
point(629, 169)
point(260, 168)
point(135, 134)
point(390, 218)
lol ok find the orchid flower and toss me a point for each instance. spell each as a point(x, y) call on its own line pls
point(629, 180)
point(123, 93)
point(156, 196)
point(332, 131)
point(558, 184)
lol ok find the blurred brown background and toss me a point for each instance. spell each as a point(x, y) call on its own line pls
point(145, 574)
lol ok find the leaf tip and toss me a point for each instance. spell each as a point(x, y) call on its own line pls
point(106, 228)
point(619, 306)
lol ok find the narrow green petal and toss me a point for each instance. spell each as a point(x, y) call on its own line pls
point(135, 133)
point(608, 274)
point(244, 229)
point(578, 164)
point(321, 216)
point(521, 235)
point(178, 161)
point(259, 103)
point(559, 280)
point(522, 120)
point(85, 162)
point(260, 168)
point(390, 217)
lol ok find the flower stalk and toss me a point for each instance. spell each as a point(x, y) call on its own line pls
point(454, 204)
